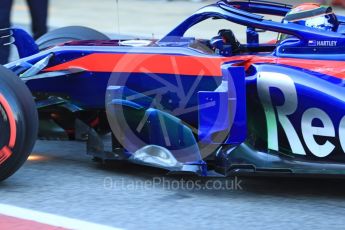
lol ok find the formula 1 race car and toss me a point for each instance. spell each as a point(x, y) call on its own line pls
point(214, 106)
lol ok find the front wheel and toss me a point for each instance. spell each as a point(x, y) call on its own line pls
point(18, 123)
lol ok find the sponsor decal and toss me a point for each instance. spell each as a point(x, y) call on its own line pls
point(279, 114)
point(322, 43)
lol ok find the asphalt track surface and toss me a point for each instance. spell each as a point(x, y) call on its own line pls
point(60, 179)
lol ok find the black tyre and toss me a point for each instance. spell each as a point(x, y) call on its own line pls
point(70, 33)
point(18, 123)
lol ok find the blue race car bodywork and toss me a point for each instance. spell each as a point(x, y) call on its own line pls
point(176, 104)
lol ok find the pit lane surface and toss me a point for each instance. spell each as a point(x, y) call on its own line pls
point(60, 179)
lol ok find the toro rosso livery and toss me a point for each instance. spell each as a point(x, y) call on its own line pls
point(213, 106)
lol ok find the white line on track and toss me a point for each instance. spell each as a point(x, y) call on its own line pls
point(50, 219)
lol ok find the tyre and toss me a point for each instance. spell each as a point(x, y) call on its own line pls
point(18, 123)
point(70, 33)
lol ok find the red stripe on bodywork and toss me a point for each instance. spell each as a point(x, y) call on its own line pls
point(331, 68)
point(189, 65)
point(147, 63)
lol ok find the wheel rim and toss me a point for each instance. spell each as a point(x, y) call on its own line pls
point(8, 131)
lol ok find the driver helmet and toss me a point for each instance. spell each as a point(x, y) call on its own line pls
point(312, 15)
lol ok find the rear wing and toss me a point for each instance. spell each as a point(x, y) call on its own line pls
point(23, 41)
